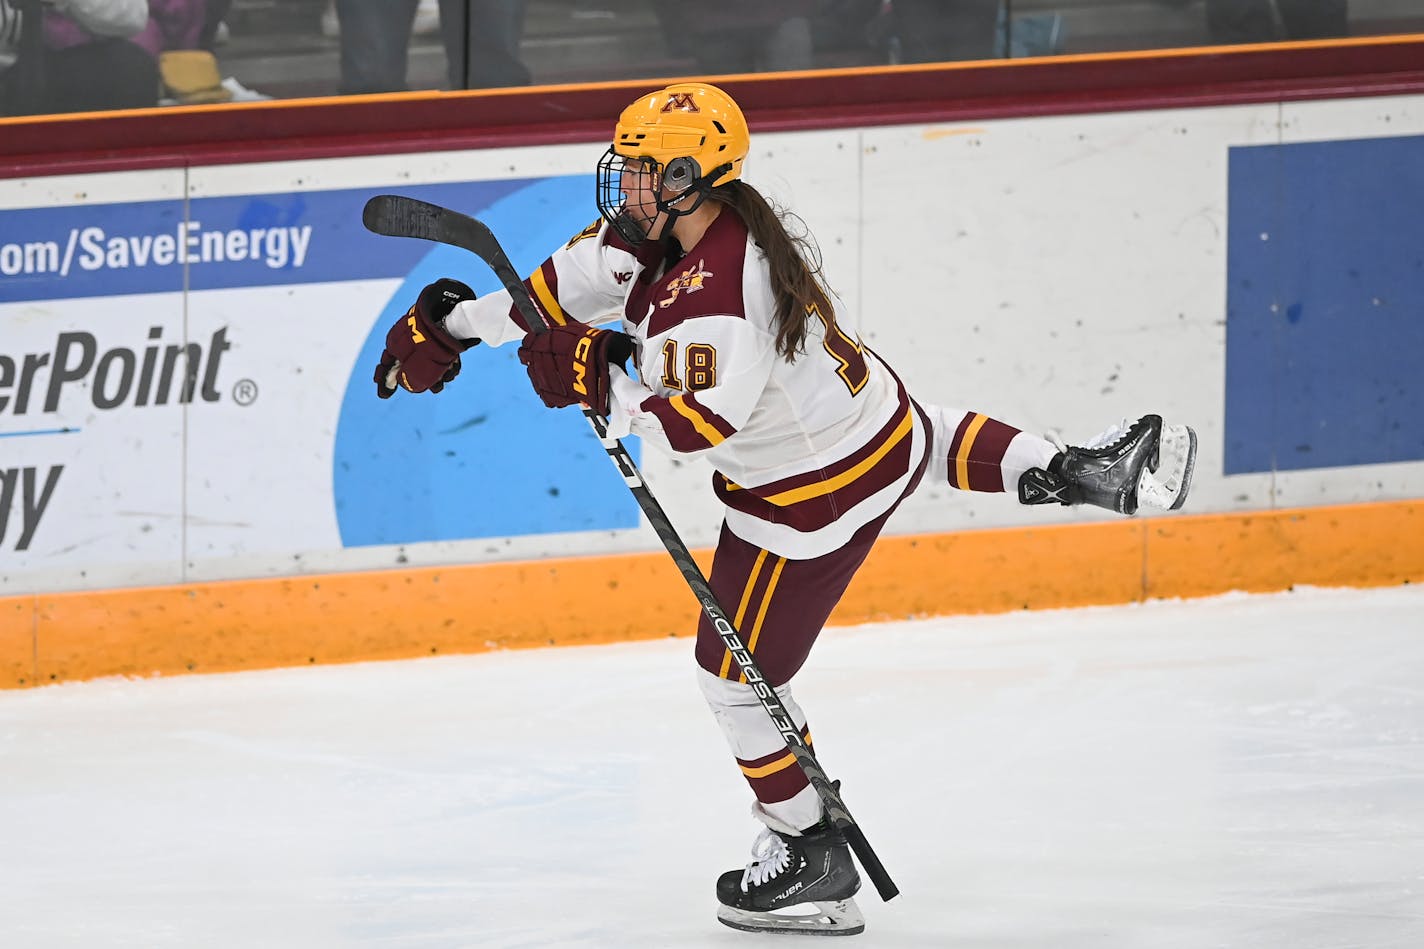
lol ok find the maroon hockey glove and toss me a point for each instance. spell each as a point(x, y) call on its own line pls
point(420, 353)
point(569, 364)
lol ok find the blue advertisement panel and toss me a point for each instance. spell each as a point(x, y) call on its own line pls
point(489, 463)
point(192, 381)
point(248, 240)
point(1325, 305)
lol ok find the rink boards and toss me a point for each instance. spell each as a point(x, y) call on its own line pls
point(195, 472)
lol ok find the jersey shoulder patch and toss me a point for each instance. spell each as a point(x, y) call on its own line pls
point(585, 234)
point(707, 282)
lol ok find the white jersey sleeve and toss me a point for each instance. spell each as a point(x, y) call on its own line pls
point(585, 281)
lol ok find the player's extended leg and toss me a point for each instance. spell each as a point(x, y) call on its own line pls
point(1130, 465)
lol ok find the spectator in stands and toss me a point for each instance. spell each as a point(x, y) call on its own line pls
point(375, 43)
point(79, 56)
point(427, 19)
point(213, 32)
point(175, 37)
point(739, 36)
point(9, 39)
point(1266, 21)
point(481, 40)
point(482, 43)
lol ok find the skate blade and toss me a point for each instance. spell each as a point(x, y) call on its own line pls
point(816, 918)
point(1167, 486)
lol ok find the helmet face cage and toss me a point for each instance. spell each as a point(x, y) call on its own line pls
point(620, 174)
point(614, 174)
point(670, 148)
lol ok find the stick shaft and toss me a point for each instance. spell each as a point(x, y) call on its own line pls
point(399, 216)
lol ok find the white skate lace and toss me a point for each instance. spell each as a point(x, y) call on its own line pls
point(1105, 438)
point(1100, 440)
point(770, 856)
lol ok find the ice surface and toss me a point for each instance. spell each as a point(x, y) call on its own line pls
point(1240, 771)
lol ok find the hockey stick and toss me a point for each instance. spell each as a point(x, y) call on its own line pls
point(398, 216)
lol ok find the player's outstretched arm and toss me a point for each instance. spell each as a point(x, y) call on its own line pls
point(1129, 465)
point(421, 355)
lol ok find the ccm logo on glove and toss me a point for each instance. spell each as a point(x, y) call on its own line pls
point(420, 354)
point(569, 364)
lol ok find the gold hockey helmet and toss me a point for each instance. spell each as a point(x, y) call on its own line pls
point(688, 136)
point(688, 120)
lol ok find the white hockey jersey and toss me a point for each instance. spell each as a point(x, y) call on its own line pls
point(806, 452)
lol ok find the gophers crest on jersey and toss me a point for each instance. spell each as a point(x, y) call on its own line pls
point(689, 281)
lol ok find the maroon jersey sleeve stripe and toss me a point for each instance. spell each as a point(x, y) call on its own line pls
point(725, 428)
point(954, 450)
point(544, 285)
point(543, 288)
point(986, 454)
point(977, 451)
point(688, 424)
point(516, 317)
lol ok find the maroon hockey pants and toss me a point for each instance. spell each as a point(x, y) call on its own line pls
point(777, 605)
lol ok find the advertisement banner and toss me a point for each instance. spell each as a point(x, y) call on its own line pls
point(189, 383)
point(186, 356)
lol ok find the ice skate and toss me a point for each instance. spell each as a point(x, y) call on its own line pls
point(794, 885)
point(1165, 485)
point(1136, 463)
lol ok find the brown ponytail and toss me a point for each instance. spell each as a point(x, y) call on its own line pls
point(794, 261)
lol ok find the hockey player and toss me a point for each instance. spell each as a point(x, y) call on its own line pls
point(728, 346)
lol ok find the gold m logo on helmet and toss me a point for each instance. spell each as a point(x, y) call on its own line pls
point(682, 101)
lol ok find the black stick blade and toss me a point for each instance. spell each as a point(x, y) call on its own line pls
point(395, 215)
